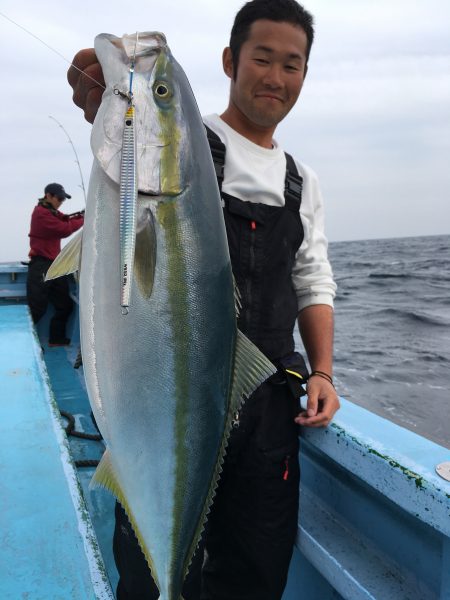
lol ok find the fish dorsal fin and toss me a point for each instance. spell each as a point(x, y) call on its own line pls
point(105, 476)
point(68, 260)
point(251, 369)
point(145, 254)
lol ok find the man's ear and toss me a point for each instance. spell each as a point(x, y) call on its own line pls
point(227, 62)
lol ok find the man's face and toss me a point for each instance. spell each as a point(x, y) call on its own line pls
point(270, 73)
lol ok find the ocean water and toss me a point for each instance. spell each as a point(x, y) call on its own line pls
point(392, 332)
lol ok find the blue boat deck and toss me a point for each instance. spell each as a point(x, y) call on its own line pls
point(374, 520)
point(49, 548)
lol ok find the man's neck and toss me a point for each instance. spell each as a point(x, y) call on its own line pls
point(262, 136)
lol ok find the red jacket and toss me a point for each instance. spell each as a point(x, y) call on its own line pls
point(48, 226)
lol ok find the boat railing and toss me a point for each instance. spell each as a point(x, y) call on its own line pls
point(374, 518)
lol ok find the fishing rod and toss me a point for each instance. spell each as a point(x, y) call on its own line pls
point(76, 155)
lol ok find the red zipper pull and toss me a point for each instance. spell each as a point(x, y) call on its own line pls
point(286, 471)
point(253, 225)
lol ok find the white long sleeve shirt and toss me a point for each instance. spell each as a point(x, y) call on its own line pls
point(256, 174)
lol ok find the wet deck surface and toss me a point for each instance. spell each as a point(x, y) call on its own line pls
point(45, 534)
point(71, 396)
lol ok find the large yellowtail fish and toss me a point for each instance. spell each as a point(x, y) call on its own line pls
point(166, 368)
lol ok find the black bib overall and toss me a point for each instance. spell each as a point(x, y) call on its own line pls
point(253, 523)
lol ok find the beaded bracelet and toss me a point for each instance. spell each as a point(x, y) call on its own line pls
point(323, 375)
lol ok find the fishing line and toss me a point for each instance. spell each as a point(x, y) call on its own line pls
point(52, 49)
point(133, 63)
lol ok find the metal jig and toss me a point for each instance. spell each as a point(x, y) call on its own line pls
point(128, 193)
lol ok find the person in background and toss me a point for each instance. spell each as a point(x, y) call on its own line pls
point(273, 213)
point(48, 226)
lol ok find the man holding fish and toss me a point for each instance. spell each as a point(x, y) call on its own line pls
point(274, 223)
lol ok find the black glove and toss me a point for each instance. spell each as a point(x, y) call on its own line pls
point(75, 215)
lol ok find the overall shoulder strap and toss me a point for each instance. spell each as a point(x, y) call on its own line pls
point(293, 184)
point(218, 154)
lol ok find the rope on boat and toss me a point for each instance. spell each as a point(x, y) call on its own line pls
point(78, 361)
point(86, 463)
point(70, 430)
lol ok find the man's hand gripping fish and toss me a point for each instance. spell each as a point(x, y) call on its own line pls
point(165, 376)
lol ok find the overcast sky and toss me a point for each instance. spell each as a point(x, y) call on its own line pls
point(373, 119)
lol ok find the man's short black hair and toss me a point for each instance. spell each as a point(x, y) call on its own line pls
point(286, 11)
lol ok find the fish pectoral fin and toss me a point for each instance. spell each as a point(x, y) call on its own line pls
point(251, 369)
point(145, 254)
point(68, 260)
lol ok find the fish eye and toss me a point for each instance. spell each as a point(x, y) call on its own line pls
point(162, 90)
